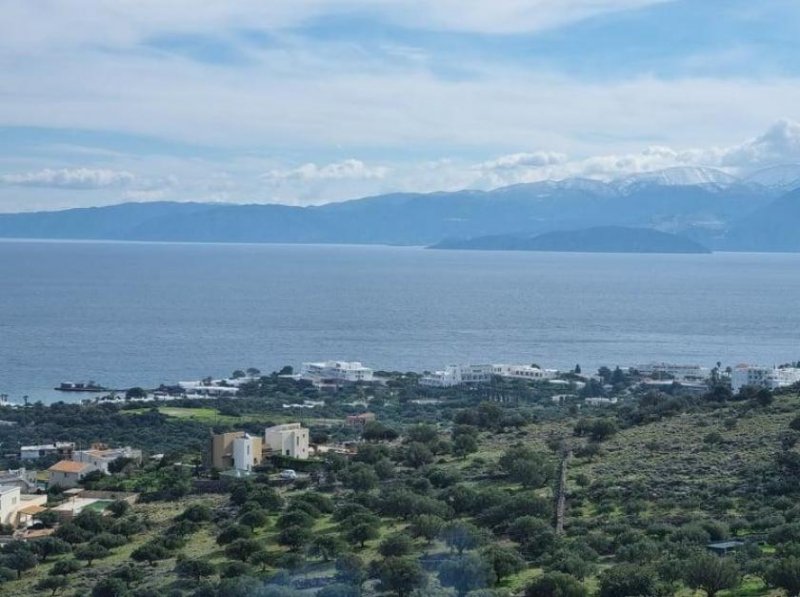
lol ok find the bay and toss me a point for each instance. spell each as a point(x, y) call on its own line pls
point(126, 314)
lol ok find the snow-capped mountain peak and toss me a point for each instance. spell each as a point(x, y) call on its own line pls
point(681, 176)
point(785, 177)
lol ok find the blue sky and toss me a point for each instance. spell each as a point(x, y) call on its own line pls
point(309, 101)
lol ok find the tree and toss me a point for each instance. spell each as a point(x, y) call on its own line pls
point(785, 574)
point(556, 584)
point(255, 518)
point(360, 477)
point(326, 546)
point(19, 560)
point(466, 573)
point(50, 546)
point(464, 445)
point(462, 536)
point(150, 552)
point(196, 513)
point(417, 454)
point(253, 372)
point(238, 374)
point(242, 549)
point(400, 575)
point(91, 552)
point(363, 530)
point(711, 573)
point(505, 561)
point(351, 569)
point(52, 583)
point(110, 587)
point(129, 573)
point(625, 580)
point(119, 508)
point(426, 526)
point(377, 431)
point(233, 532)
point(396, 544)
point(262, 558)
point(65, 566)
point(197, 569)
point(135, 393)
point(294, 537)
point(525, 466)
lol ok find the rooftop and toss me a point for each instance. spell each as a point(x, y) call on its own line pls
point(69, 466)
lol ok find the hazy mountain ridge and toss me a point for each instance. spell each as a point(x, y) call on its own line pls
point(717, 210)
point(603, 239)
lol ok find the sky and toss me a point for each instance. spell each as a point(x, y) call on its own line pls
point(309, 101)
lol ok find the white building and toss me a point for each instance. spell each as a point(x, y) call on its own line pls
point(771, 378)
point(60, 449)
point(525, 372)
point(214, 388)
point(99, 458)
point(246, 452)
point(455, 375)
point(337, 371)
point(677, 372)
point(600, 401)
point(21, 477)
point(9, 503)
point(290, 439)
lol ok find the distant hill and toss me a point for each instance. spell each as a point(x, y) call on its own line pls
point(702, 204)
point(774, 227)
point(603, 239)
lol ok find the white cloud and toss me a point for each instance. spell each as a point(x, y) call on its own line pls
point(346, 169)
point(31, 26)
point(69, 178)
point(781, 143)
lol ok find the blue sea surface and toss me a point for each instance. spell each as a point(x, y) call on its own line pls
point(126, 314)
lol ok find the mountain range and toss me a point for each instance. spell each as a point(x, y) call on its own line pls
point(720, 211)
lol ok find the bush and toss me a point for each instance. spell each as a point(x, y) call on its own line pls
point(556, 584)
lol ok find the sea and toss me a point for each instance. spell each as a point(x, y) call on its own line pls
point(142, 314)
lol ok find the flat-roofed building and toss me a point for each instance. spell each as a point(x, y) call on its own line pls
point(290, 439)
point(60, 449)
point(336, 371)
point(100, 456)
point(770, 378)
point(235, 450)
point(455, 375)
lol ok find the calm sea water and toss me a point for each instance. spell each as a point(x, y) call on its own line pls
point(127, 314)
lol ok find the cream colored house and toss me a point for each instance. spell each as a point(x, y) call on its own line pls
point(290, 439)
point(68, 473)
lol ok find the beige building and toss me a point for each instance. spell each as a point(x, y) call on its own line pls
point(290, 439)
point(68, 473)
point(235, 450)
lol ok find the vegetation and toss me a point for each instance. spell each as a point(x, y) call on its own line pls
point(451, 497)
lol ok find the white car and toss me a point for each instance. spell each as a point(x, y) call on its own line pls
point(288, 474)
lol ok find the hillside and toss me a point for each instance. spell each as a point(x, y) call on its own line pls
point(775, 227)
point(464, 500)
point(608, 239)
